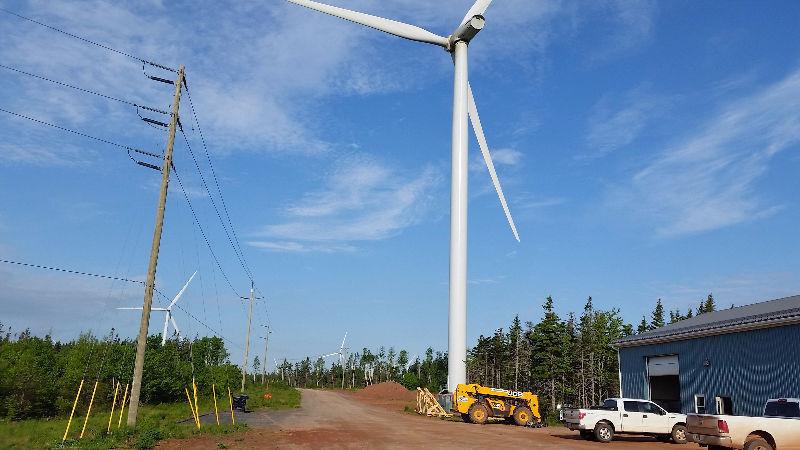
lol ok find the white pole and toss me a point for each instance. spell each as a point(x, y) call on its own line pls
point(457, 326)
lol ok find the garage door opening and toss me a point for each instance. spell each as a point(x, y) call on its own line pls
point(665, 385)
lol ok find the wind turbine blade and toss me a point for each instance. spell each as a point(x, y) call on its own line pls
point(478, 8)
point(487, 157)
point(166, 326)
point(394, 27)
point(177, 331)
point(341, 347)
point(183, 289)
point(329, 354)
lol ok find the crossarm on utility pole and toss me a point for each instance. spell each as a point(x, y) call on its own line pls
point(141, 342)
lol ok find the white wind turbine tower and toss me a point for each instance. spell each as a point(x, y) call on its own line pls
point(463, 106)
point(168, 317)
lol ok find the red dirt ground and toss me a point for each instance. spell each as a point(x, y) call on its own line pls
point(374, 419)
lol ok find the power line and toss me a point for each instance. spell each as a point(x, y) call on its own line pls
point(203, 233)
point(206, 325)
point(61, 83)
point(214, 204)
point(88, 41)
point(75, 272)
point(68, 130)
point(216, 180)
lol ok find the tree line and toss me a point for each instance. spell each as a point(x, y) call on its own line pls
point(567, 361)
point(361, 369)
point(39, 376)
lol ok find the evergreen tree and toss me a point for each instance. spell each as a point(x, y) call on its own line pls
point(642, 326)
point(709, 305)
point(658, 316)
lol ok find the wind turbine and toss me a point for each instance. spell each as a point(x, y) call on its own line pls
point(340, 352)
point(463, 105)
point(168, 317)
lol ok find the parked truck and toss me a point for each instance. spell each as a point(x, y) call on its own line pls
point(626, 416)
point(778, 429)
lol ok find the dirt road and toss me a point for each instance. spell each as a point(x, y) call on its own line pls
point(330, 419)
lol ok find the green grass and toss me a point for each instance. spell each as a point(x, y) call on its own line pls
point(156, 422)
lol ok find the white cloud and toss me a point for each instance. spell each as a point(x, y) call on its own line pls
point(708, 179)
point(617, 121)
point(258, 72)
point(362, 200)
point(501, 157)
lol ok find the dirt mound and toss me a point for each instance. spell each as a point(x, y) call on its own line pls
point(389, 390)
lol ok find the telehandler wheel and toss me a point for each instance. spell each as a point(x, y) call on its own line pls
point(478, 413)
point(522, 415)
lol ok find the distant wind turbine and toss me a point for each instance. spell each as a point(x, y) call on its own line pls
point(168, 317)
point(463, 106)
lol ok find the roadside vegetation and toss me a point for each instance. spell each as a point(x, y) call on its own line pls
point(39, 379)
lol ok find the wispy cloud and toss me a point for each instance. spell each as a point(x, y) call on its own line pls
point(617, 121)
point(631, 26)
point(362, 200)
point(708, 179)
point(501, 157)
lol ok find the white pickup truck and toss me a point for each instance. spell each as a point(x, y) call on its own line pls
point(779, 429)
point(626, 415)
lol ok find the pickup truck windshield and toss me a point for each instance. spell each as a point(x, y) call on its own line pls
point(782, 409)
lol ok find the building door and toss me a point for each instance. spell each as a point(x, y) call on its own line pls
point(665, 385)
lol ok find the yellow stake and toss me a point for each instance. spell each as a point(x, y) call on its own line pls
point(230, 399)
point(214, 390)
point(122, 405)
point(189, 399)
point(196, 408)
point(113, 404)
point(73, 411)
point(89, 411)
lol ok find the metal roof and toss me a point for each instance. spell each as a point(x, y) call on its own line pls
point(773, 313)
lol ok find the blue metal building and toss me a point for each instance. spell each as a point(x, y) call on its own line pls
point(723, 362)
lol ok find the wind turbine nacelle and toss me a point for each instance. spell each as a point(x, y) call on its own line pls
point(467, 30)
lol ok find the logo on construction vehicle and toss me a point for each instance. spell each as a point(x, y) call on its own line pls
point(509, 393)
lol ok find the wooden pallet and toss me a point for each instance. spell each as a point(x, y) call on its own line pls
point(428, 405)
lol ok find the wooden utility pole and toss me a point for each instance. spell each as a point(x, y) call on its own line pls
point(266, 349)
point(149, 287)
point(247, 341)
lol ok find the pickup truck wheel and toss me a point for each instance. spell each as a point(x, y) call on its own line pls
point(757, 444)
point(679, 434)
point(522, 415)
point(604, 432)
point(478, 413)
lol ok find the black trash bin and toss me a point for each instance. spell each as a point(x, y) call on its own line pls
point(240, 402)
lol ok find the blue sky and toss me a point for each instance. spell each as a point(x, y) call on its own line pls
point(647, 149)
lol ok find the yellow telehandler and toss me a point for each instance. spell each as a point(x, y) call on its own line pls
point(477, 403)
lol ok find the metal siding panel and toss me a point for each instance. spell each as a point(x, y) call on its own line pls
point(749, 367)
